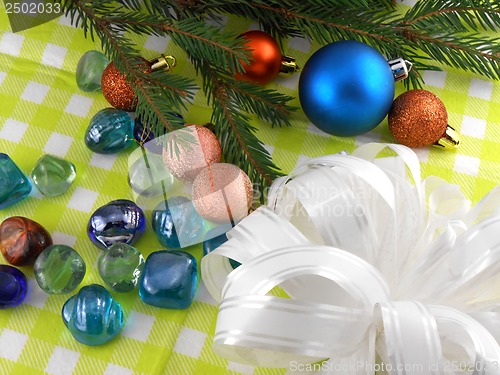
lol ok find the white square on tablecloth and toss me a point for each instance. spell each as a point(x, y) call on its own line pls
point(83, 199)
point(12, 344)
point(54, 55)
point(474, 127)
point(79, 105)
point(467, 164)
point(11, 44)
point(62, 361)
point(58, 144)
point(138, 326)
point(190, 342)
point(35, 92)
point(13, 130)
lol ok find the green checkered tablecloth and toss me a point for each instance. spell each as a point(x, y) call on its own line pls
point(43, 111)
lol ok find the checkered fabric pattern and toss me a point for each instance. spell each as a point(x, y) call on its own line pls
point(43, 111)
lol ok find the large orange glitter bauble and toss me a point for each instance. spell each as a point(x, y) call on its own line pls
point(266, 58)
point(222, 193)
point(190, 150)
point(418, 118)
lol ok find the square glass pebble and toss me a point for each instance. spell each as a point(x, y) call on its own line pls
point(14, 185)
point(52, 176)
point(169, 279)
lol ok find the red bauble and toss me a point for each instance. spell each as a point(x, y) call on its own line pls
point(266, 58)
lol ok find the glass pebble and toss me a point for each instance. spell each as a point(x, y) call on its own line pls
point(213, 240)
point(52, 176)
point(59, 269)
point(148, 176)
point(169, 279)
point(13, 286)
point(92, 316)
point(22, 240)
point(110, 131)
point(177, 224)
point(14, 185)
point(89, 70)
point(120, 267)
point(119, 221)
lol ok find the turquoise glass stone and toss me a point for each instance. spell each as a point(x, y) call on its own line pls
point(120, 267)
point(148, 176)
point(14, 185)
point(92, 316)
point(213, 240)
point(89, 70)
point(13, 286)
point(59, 269)
point(52, 176)
point(177, 224)
point(110, 131)
point(169, 279)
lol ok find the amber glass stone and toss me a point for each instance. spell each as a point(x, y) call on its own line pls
point(22, 240)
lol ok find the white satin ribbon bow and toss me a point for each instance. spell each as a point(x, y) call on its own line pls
point(382, 272)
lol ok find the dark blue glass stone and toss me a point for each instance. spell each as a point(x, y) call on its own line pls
point(13, 286)
point(213, 241)
point(14, 185)
point(177, 224)
point(145, 136)
point(119, 221)
point(92, 316)
point(169, 279)
point(110, 131)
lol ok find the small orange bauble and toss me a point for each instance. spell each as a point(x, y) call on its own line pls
point(266, 58)
point(222, 193)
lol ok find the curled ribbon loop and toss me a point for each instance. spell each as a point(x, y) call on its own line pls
point(369, 259)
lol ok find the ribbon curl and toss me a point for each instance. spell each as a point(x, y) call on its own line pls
point(374, 263)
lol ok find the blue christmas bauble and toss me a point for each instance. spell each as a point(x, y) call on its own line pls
point(346, 88)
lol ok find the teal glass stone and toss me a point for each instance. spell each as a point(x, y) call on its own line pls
point(92, 316)
point(177, 224)
point(59, 269)
point(148, 176)
point(120, 267)
point(52, 176)
point(169, 279)
point(89, 70)
point(110, 131)
point(14, 185)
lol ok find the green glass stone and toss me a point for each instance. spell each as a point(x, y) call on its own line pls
point(120, 267)
point(59, 269)
point(52, 175)
point(89, 70)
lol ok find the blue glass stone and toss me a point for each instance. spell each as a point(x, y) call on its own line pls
point(145, 136)
point(14, 185)
point(213, 241)
point(169, 279)
point(119, 221)
point(13, 286)
point(110, 131)
point(177, 224)
point(92, 316)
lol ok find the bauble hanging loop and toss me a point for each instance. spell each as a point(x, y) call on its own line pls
point(418, 118)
